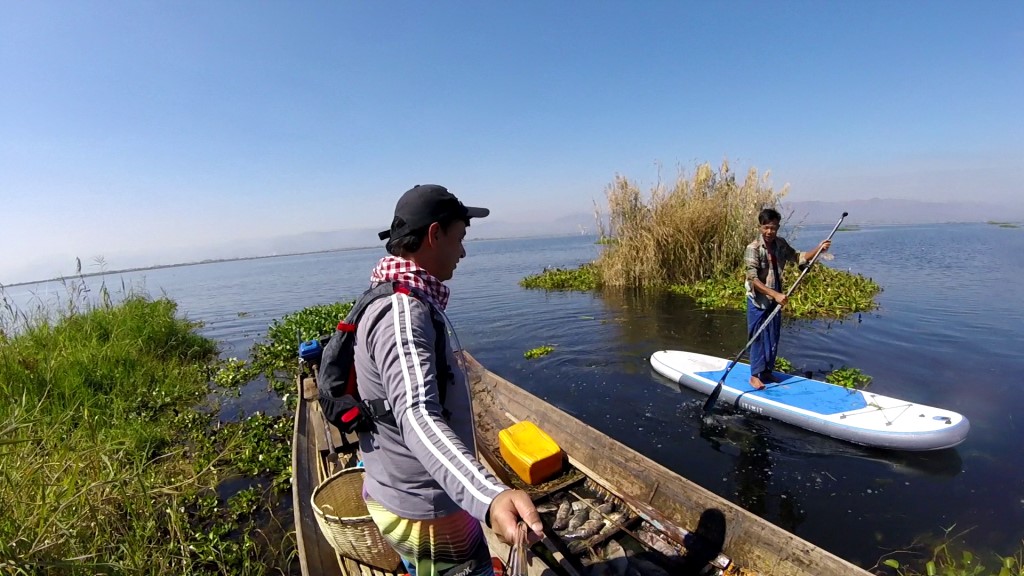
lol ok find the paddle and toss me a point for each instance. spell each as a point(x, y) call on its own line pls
point(710, 403)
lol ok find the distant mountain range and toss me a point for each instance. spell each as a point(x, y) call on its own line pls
point(875, 211)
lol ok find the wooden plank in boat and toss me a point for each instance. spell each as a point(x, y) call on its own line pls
point(309, 453)
point(315, 555)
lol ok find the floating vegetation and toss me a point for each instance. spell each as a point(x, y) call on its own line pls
point(844, 376)
point(1003, 224)
point(538, 352)
point(824, 293)
point(277, 354)
point(582, 279)
point(949, 558)
point(234, 373)
point(848, 377)
point(783, 365)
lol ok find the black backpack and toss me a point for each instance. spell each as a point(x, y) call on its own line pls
point(336, 380)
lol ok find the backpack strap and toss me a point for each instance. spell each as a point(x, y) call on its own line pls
point(373, 294)
point(445, 376)
point(380, 409)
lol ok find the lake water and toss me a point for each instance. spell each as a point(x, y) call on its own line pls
point(947, 333)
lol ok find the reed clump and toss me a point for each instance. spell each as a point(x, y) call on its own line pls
point(694, 229)
point(690, 237)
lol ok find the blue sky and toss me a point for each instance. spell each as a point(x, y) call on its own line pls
point(146, 132)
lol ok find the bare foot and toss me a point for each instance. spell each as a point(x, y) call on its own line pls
point(756, 383)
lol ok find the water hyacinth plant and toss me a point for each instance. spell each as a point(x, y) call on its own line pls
point(848, 377)
point(538, 352)
point(276, 355)
point(824, 293)
point(580, 279)
point(948, 557)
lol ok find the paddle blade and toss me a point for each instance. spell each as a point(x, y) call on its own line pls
point(709, 404)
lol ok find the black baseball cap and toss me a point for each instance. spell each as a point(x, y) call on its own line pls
point(425, 204)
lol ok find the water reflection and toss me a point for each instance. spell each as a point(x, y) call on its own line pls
point(779, 472)
point(762, 440)
point(654, 320)
point(753, 471)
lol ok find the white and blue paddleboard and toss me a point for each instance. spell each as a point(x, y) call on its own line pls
point(855, 415)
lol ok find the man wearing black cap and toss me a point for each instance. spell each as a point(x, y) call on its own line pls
point(424, 487)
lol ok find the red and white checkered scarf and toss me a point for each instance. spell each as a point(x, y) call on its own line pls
point(395, 269)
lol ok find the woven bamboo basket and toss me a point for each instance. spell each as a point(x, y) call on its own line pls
point(345, 522)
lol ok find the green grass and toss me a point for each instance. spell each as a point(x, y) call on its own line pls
point(110, 460)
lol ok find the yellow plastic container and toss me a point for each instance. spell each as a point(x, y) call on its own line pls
point(530, 452)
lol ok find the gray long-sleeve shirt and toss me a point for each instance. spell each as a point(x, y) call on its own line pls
point(427, 467)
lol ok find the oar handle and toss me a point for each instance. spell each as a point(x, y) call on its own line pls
point(816, 254)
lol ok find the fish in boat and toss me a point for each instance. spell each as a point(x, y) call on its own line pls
point(586, 530)
point(616, 556)
point(547, 508)
point(563, 516)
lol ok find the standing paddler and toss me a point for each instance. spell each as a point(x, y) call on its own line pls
point(765, 260)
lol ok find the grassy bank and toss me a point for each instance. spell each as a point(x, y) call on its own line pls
point(690, 237)
point(112, 459)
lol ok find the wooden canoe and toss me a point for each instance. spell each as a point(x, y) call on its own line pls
point(314, 457)
point(663, 524)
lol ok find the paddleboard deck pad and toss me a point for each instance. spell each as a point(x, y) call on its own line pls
point(857, 416)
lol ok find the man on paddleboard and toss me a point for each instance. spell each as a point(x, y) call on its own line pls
point(765, 259)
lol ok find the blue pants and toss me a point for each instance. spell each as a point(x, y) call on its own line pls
point(763, 350)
